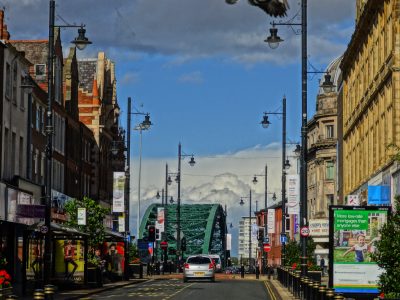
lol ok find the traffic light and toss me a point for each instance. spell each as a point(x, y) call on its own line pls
point(183, 244)
point(260, 234)
point(151, 233)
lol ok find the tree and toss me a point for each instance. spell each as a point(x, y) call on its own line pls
point(95, 215)
point(387, 254)
point(293, 253)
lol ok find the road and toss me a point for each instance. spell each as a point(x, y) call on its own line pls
point(175, 289)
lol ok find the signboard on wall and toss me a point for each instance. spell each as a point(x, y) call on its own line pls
point(81, 216)
point(353, 200)
point(378, 195)
point(353, 234)
point(118, 192)
point(319, 227)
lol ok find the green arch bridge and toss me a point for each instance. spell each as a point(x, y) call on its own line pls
point(203, 226)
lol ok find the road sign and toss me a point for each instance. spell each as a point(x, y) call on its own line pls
point(304, 231)
point(164, 245)
point(266, 240)
point(267, 247)
point(283, 238)
point(44, 229)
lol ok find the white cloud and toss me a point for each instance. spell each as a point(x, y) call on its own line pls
point(191, 28)
point(194, 77)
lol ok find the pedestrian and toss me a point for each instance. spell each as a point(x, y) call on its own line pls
point(322, 265)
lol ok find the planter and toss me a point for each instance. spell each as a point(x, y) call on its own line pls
point(4, 292)
point(315, 275)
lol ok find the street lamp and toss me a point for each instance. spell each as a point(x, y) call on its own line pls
point(81, 41)
point(285, 164)
point(241, 204)
point(145, 125)
point(255, 181)
point(179, 178)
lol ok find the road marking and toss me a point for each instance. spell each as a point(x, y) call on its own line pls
point(174, 294)
point(269, 290)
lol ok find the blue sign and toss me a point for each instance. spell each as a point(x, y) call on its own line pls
point(142, 245)
point(283, 238)
point(378, 195)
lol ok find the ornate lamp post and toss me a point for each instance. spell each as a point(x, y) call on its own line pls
point(80, 42)
point(241, 204)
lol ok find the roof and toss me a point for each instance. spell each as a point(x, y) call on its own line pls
point(35, 50)
point(87, 72)
point(336, 74)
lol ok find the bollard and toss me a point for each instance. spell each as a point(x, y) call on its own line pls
point(338, 297)
point(297, 286)
point(305, 288)
point(310, 289)
point(242, 271)
point(38, 294)
point(11, 297)
point(316, 290)
point(330, 294)
point(257, 273)
point(322, 292)
point(49, 291)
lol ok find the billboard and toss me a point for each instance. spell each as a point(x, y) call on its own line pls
point(160, 219)
point(352, 235)
point(118, 192)
point(319, 227)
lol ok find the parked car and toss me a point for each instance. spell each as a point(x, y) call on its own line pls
point(199, 267)
point(217, 261)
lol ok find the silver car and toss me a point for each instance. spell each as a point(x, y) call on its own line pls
point(199, 267)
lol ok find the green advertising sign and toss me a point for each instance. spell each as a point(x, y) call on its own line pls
point(351, 220)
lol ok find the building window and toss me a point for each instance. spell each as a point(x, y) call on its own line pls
point(329, 131)
point(13, 154)
point(14, 83)
point(22, 98)
point(21, 155)
point(8, 81)
point(330, 170)
point(40, 71)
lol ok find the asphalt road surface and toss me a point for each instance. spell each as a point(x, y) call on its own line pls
point(175, 289)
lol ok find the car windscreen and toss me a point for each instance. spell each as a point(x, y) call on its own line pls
point(198, 260)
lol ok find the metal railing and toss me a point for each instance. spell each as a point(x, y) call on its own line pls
point(305, 288)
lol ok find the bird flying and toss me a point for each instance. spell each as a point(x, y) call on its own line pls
point(274, 8)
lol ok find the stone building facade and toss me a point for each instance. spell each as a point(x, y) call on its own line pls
point(371, 101)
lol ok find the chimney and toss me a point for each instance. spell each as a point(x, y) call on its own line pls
point(4, 34)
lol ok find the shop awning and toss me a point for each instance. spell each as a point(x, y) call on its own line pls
point(60, 230)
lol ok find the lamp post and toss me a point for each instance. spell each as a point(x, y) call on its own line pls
point(241, 204)
point(265, 256)
point(178, 210)
point(81, 41)
point(285, 164)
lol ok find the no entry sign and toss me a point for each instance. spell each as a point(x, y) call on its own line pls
point(305, 231)
point(164, 245)
point(267, 247)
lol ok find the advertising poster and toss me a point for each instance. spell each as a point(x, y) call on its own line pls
point(113, 254)
point(118, 192)
point(293, 194)
point(160, 219)
point(69, 260)
point(34, 265)
point(353, 235)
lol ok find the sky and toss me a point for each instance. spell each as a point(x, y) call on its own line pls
point(203, 72)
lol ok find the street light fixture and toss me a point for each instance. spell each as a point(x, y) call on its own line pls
point(285, 165)
point(273, 40)
point(50, 131)
point(241, 204)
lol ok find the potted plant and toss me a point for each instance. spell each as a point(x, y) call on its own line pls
point(5, 284)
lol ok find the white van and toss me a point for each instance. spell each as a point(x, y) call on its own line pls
point(217, 262)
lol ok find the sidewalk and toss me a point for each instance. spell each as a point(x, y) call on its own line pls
point(80, 293)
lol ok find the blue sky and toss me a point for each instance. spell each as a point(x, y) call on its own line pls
point(204, 73)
